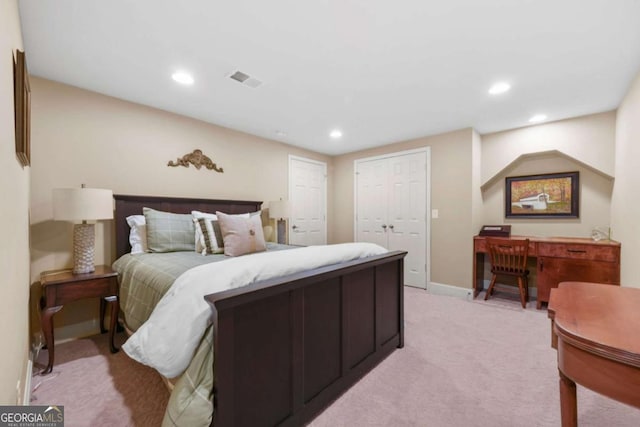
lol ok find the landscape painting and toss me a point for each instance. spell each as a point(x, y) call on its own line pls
point(554, 195)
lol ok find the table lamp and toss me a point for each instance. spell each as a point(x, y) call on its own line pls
point(82, 204)
point(279, 210)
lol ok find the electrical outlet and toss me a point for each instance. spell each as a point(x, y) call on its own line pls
point(434, 213)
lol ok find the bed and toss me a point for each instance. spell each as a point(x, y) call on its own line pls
point(285, 348)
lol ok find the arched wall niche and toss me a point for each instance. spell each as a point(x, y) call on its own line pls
point(596, 189)
point(542, 155)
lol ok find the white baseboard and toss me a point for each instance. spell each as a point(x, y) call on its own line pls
point(448, 290)
point(26, 393)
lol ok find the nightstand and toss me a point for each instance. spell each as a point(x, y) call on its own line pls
point(59, 288)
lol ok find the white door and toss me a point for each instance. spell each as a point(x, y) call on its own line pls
point(391, 208)
point(307, 198)
point(371, 208)
point(407, 198)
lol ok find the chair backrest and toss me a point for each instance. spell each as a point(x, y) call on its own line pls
point(508, 256)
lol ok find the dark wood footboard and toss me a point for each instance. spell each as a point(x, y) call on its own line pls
point(286, 348)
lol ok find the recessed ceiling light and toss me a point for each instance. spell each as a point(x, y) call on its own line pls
point(538, 118)
point(498, 88)
point(336, 133)
point(182, 78)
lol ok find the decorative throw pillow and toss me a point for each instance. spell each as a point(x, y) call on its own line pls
point(208, 235)
point(206, 241)
point(241, 235)
point(169, 232)
point(137, 234)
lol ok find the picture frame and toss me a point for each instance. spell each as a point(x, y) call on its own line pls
point(552, 195)
point(22, 103)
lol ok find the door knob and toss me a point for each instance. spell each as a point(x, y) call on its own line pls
point(384, 226)
point(294, 227)
point(391, 226)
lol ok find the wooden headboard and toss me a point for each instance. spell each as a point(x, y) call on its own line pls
point(132, 205)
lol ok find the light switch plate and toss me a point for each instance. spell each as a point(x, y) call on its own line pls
point(434, 213)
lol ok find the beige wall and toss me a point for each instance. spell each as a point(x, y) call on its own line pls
point(625, 206)
point(476, 182)
point(589, 139)
point(84, 137)
point(14, 227)
point(593, 133)
point(451, 189)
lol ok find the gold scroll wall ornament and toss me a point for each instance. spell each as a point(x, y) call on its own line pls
point(197, 159)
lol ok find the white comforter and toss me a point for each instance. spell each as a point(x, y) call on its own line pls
point(169, 338)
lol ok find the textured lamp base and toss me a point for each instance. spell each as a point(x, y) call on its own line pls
point(83, 248)
point(281, 231)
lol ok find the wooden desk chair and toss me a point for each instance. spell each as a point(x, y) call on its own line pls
point(509, 258)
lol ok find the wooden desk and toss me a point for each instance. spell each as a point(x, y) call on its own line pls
point(560, 259)
point(595, 330)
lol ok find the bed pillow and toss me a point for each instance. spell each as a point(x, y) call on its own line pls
point(241, 235)
point(137, 234)
point(207, 226)
point(169, 232)
point(208, 234)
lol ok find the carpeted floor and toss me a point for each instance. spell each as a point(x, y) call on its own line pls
point(98, 388)
point(464, 364)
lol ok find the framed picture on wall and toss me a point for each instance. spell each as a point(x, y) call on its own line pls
point(22, 102)
point(552, 195)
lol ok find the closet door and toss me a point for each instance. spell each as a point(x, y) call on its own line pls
point(406, 221)
point(391, 203)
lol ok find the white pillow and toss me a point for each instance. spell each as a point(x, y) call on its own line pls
point(138, 234)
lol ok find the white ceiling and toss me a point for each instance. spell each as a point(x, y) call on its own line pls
point(382, 71)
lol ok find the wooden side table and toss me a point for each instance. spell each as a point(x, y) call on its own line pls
point(63, 287)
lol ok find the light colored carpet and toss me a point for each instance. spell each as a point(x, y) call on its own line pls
point(470, 364)
point(464, 364)
point(98, 388)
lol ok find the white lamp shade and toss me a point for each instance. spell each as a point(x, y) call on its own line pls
point(81, 204)
point(279, 209)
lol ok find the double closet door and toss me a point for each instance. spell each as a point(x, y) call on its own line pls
point(391, 208)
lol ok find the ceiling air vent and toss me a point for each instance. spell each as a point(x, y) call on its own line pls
point(245, 79)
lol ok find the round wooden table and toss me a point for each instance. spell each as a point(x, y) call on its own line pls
point(596, 330)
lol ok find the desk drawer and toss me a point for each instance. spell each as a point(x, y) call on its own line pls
point(578, 251)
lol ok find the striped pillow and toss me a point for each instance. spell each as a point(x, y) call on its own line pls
point(208, 235)
point(204, 231)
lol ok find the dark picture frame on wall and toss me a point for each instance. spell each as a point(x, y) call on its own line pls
point(551, 195)
point(22, 102)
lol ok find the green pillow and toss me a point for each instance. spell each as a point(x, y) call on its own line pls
point(169, 232)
